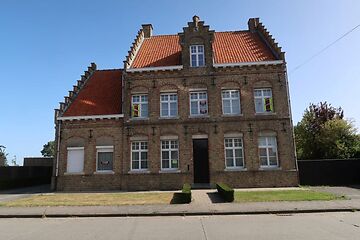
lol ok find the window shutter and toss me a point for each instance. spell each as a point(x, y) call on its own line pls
point(75, 160)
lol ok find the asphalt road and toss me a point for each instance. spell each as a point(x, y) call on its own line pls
point(325, 226)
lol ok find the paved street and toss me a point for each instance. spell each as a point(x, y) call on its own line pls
point(317, 226)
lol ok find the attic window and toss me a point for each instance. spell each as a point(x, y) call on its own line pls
point(197, 57)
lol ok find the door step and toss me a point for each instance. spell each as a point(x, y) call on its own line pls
point(202, 186)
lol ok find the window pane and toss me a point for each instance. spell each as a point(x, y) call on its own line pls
point(228, 142)
point(200, 49)
point(201, 60)
point(144, 164)
point(229, 153)
point(239, 162)
point(144, 110)
point(165, 155)
point(194, 108)
point(238, 153)
point(259, 107)
point(143, 155)
point(164, 109)
point(226, 106)
point(105, 161)
point(135, 164)
point(174, 155)
point(273, 161)
point(135, 156)
point(262, 141)
point(165, 164)
point(237, 142)
point(229, 162)
point(263, 161)
point(262, 152)
point(193, 61)
point(173, 109)
point(236, 106)
point(164, 97)
point(257, 93)
point(174, 163)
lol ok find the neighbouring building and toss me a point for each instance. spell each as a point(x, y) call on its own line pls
point(199, 106)
point(38, 161)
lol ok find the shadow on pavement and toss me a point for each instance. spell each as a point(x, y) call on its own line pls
point(28, 190)
point(215, 197)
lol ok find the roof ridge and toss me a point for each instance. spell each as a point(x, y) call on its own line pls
point(110, 69)
point(76, 89)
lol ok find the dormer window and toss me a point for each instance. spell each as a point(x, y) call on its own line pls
point(197, 57)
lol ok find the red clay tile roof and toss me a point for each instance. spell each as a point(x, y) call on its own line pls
point(101, 95)
point(228, 47)
point(240, 46)
point(158, 51)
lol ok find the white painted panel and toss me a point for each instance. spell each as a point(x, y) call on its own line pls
point(75, 160)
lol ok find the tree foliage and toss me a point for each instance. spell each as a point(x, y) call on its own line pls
point(3, 156)
point(323, 133)
point(48, 149)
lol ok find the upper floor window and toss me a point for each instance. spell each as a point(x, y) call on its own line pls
point(139, 106)
point(168, 105)
point(263, 100)
point(268, 151)
point(231, 102)
point(197, 57)
point(198, 103)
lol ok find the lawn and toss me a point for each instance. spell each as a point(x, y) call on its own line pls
point(91, 199)
point(284, 195)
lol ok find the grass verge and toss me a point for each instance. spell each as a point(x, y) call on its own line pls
point(91, 199)
point(284, 195)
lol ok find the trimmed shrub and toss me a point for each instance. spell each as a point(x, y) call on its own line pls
point(226, 192)
point(184, 196)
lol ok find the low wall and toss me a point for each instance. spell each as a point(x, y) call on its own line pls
point(330, 172)
point(14, 176)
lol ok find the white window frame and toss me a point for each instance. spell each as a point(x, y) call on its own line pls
point(139, 151)
point(104, 149)
point(267, 147)
point(198, 100)
point(231, 99)
point(169, 150)
point(197, 55)
point(67, 159)
point(262, 97)
point(141, 103)
point(233, 148)
point(168, 102)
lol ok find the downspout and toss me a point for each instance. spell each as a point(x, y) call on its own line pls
point(56, 164)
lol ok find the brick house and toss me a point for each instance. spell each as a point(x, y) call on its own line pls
point(195, 107)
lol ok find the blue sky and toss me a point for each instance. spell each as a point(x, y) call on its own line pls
point(46, 45)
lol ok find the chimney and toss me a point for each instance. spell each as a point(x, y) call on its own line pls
point(147, 29)
point(253, 24)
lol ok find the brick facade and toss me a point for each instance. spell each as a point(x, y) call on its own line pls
point(214, 126)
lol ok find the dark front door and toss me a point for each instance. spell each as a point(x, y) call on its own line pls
point(201, 160)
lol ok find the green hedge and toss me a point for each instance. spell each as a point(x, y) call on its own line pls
point(226, 192)
point(184, 196)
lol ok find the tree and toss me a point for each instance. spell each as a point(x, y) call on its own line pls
point(3, 156)
point(48, 149)
point(323, 133)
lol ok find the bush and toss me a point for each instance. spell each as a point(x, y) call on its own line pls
point(226, 192)
point(184, 196)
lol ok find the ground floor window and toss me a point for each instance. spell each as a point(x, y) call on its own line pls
point(139, 155)
point(104, 158)
point(75, 159)
point(268, 151)
point(234, 157)
point(169, 154)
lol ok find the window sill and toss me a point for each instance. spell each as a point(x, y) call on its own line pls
point(74, 173)
point(170, 171)
point(104, 172)
point(169, 118)
point(139, 172)
point(232, 115)
point(235, 169)
point(275, 168)
point(199, 116)
point(265, 114)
